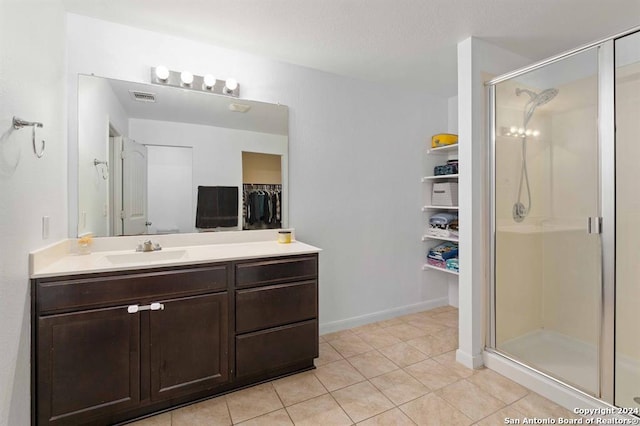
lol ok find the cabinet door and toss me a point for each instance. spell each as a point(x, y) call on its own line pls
point(88, 365)
point(189, 345)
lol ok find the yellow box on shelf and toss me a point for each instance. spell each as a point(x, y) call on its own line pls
point(443, 139)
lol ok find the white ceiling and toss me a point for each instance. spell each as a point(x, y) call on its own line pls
point(411, 41)
point(188, 106)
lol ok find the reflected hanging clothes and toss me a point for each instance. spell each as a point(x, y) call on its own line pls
point(261, 206)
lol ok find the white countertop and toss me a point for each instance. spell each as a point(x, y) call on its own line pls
point(65, 263)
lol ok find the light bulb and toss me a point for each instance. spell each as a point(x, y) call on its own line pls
point(186, 77)
point(231, 84)
point(521, 130)
point(209, 81)
point(528, 132)
point(536, 133)
point(162, 73)
point(513, 129)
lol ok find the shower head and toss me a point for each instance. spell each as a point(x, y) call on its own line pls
point(539, 98)
point(545, 96)
point(536, 99)
point(531, 94)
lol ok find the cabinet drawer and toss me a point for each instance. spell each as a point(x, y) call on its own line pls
point(267, 350)
point(72, 294)
point(274, 305)
point(270, 271)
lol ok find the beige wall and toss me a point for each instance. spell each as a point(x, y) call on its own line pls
point(571, 284)
point(261, 168)
point(571, 257)
point(518, 284)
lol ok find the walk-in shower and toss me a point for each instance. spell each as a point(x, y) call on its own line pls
point(520, 211)
point(566, 256)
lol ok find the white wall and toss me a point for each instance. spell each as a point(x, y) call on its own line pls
point(355, 159)
point(477, 60)
point(217, 153)
point(31, 87)
point(98, 106)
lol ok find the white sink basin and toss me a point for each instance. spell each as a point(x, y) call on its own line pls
point(145, 257)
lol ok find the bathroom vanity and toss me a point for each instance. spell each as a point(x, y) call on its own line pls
point(117, 342)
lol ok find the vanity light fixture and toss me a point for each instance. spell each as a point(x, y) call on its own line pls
point(186, 78)
point(519, 132)
point(208, 82)
point(161, 75)
point(230, 86)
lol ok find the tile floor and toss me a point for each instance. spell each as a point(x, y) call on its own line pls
point(400, 371)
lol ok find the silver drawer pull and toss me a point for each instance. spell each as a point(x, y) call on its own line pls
point(155, 306)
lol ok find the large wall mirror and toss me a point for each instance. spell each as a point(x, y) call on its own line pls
point(156, 159)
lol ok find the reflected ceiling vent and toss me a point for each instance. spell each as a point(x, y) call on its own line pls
point(239, 107)
point(142, 96)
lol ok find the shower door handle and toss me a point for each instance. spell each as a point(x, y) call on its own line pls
point(594, 226)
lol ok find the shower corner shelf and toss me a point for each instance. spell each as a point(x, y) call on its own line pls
point(427, 267)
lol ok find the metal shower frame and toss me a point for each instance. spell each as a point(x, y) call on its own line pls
point(607, 203)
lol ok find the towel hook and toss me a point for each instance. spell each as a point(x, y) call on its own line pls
point(104, 170)
point(19, 123)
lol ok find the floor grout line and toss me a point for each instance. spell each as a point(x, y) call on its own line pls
point(447, 332)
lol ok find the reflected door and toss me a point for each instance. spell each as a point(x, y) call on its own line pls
point(548, 258)
point(134, 187)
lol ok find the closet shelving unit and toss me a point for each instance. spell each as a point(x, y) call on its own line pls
point(426, 267)
point(437, 156)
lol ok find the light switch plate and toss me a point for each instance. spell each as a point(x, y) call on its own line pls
point(45, 227)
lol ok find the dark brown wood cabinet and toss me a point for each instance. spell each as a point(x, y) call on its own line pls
point(188, 345)
point(115, 346)
point(276, 348)
point(88, 365)
point(276, 315)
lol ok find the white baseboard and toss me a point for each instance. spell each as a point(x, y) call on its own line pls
point(330, 327)
point(468, 360)
point(561, 394)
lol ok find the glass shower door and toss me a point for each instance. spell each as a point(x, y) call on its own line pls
point(548, 258)
point(627, 351)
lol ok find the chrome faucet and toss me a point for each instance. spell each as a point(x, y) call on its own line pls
point(148, 246)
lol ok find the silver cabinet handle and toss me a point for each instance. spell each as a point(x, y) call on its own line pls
point(155, 306)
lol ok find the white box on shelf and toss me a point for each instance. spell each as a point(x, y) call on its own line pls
point(444, 194)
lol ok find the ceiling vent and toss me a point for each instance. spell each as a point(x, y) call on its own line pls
point(142, 96)
point(239, 107)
